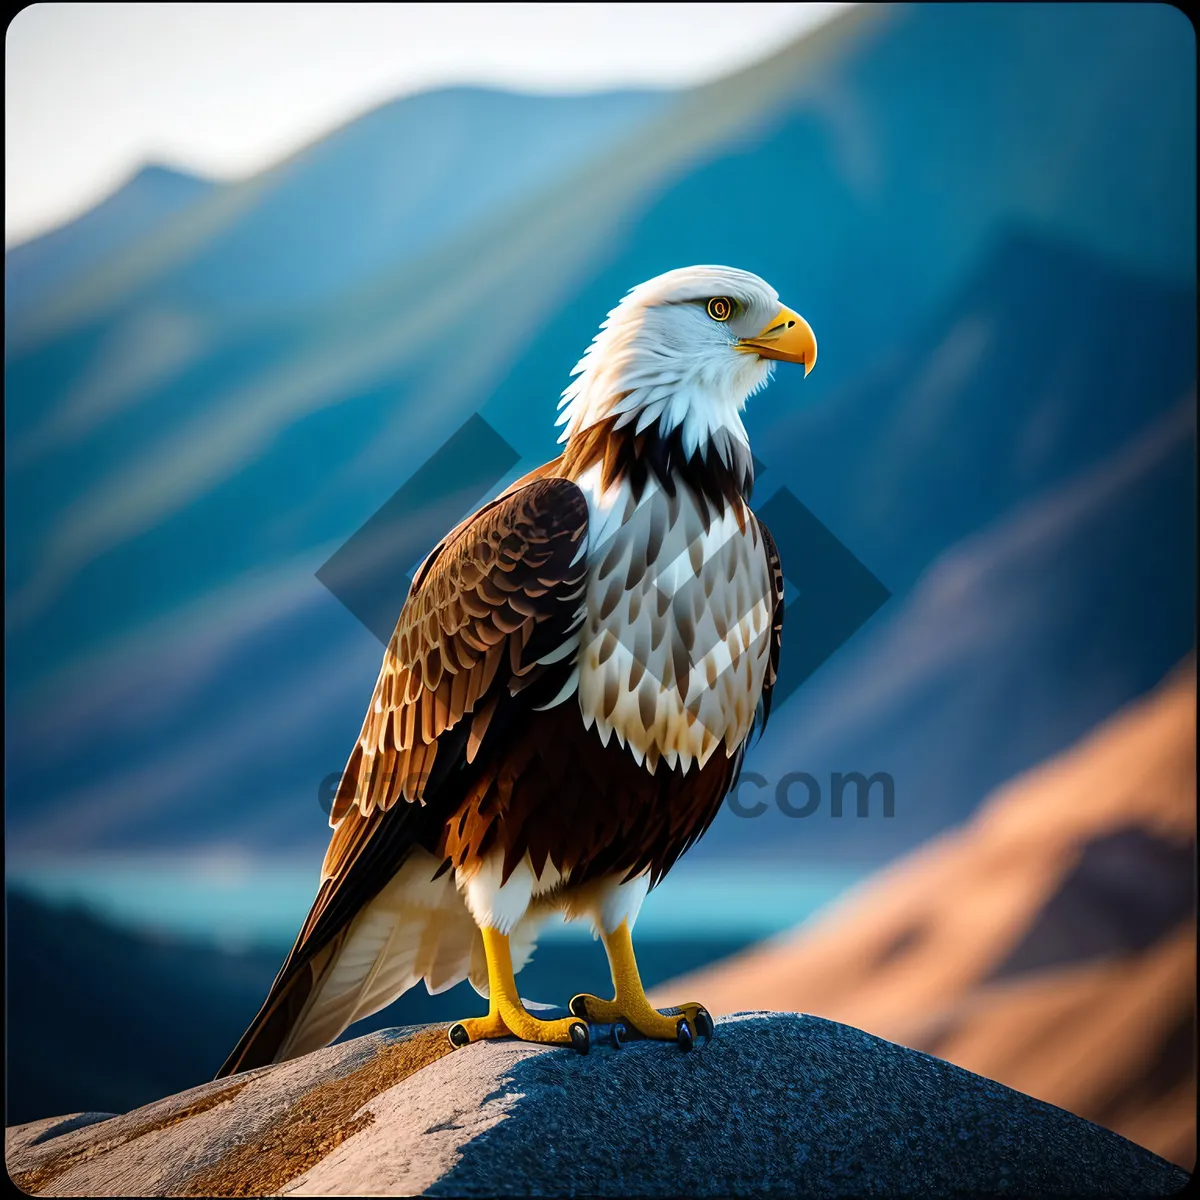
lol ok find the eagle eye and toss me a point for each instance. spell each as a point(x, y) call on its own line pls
point(720, 308)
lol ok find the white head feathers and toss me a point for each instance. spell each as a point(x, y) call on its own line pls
point(661, 358)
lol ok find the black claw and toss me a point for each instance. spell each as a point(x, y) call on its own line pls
point(683, 1035)
point(581, 1038)
point(459, 1036)
point(619, 1034)
point(578, 1007)
point(705, 1026)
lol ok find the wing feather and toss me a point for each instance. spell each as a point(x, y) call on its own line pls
point(503, 582)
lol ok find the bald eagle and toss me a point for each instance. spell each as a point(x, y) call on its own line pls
point(567, 696)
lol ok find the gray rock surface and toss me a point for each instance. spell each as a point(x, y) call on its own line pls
point(778, 1104)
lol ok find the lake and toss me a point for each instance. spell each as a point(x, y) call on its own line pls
point(234, 904)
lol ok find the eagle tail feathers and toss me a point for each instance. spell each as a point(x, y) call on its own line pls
point(416, 928)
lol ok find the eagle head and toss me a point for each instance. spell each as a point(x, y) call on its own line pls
point(682, 353)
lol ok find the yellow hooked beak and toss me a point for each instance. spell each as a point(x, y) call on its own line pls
point(787, 337)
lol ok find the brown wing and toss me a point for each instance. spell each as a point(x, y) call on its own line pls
point(503, 591)
point(500, 592)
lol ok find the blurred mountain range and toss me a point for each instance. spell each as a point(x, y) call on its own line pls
point(37, 269)
point(987, 212)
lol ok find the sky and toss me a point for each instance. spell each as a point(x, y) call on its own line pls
point(93, 91)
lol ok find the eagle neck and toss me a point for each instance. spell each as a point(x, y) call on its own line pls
point(718, 475)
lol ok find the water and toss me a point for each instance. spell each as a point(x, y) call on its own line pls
point(237, 904)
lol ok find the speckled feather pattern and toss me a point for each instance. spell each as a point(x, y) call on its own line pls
point(675, 644)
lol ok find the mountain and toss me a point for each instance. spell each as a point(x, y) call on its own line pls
point(45, 265)
point(1049, 943)
point(392, 183)
point(196, 425)
point(1014, 643)
point(145, 1014)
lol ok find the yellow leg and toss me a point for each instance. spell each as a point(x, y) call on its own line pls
point(506, 1013)
point(630, 1005)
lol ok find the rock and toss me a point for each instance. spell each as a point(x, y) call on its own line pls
point(34, 1133)
point(777, 1104)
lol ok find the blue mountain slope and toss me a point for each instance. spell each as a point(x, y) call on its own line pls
point(374, 194)
point(52, 261)
point(1000, 311)
point(1012, 645)
point(394, 183)
point(1007, 390)
point(1048, 630)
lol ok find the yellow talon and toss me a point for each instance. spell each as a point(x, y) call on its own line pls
point(478, 1029)
point(507, 1015)
point(630, 1005)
